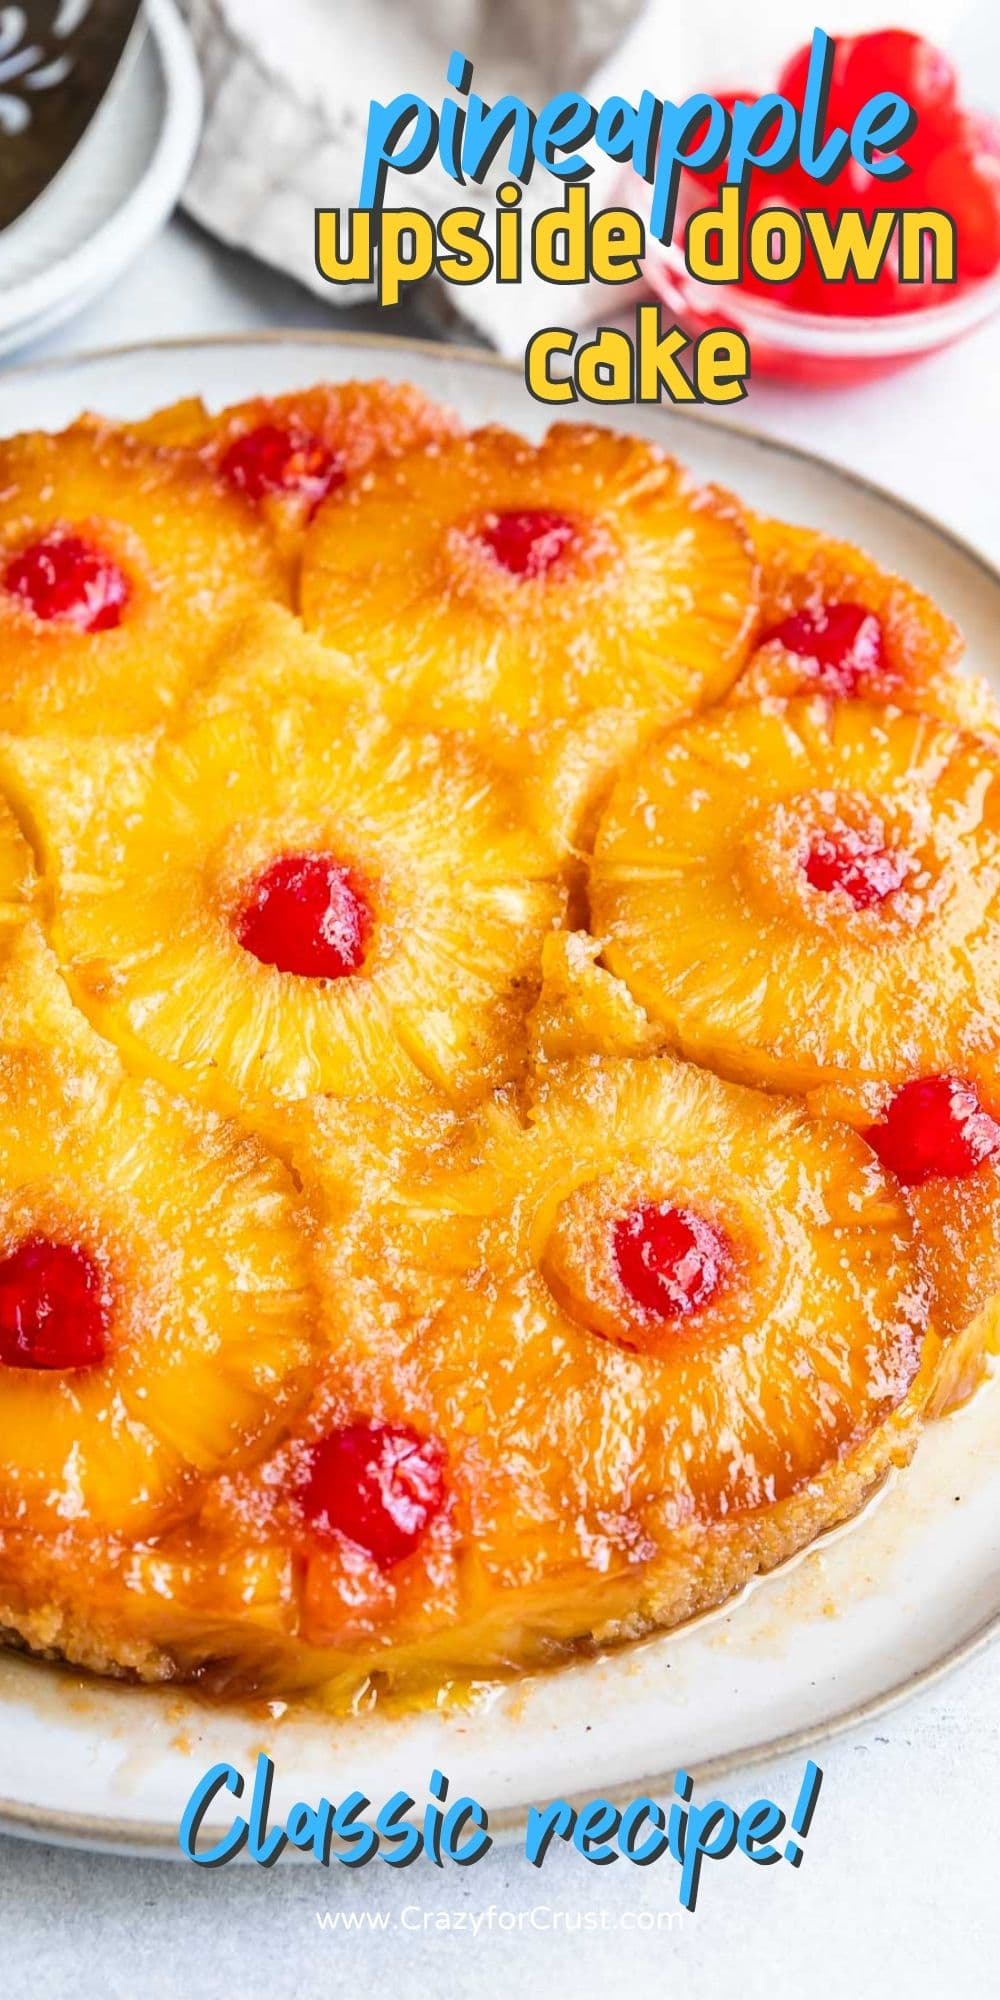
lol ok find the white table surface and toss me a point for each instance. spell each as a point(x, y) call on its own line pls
point(899, 1882)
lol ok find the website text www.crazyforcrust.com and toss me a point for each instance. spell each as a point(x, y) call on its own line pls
point(477, 1923)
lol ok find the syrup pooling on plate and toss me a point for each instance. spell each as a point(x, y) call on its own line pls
point(399, 1308)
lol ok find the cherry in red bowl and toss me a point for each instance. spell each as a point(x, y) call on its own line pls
point(806, 328)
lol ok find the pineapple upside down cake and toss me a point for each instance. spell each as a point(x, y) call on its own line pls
point(499, 1027)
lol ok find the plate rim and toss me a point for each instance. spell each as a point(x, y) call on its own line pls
point(158, 1839)
point(483, 357)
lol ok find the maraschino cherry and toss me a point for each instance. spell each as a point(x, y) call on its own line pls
point(840, 645)
point(862, 869)
point(378, 1485)
point(53, 1307)
point(527, 541)
point(68, 580)
point(935, 1125)
point(670, 1261)
point(282, 458)
point(307, 914)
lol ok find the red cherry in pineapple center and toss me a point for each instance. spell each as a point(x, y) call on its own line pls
point(669, 1260)
point(380, 1485)
point(527, 541)
point(862, 869)
point(307, 914)
point(934, 1125)
point(53, 1307)
point(68, 580)
point(841, 644)
point(282, 458)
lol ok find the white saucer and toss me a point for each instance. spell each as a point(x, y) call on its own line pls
point(114, 193)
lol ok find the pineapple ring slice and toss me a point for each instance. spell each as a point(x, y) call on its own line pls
point(802, 570)
point(188, 556)
point(701, 892)
point(645, 605)
point(582, 1010)
point(283, 454)
point(202, 1246)
point(607, 1473)
point(154, 848)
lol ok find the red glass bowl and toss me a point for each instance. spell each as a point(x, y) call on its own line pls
point(823, 349)
point(817, 348)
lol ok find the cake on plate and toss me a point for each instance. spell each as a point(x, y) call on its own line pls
point(499, 1027)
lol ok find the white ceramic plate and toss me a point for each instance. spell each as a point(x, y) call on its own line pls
point(115, 191)
point(864, 1618)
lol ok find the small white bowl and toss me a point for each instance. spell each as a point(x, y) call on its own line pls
point(114, 193)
